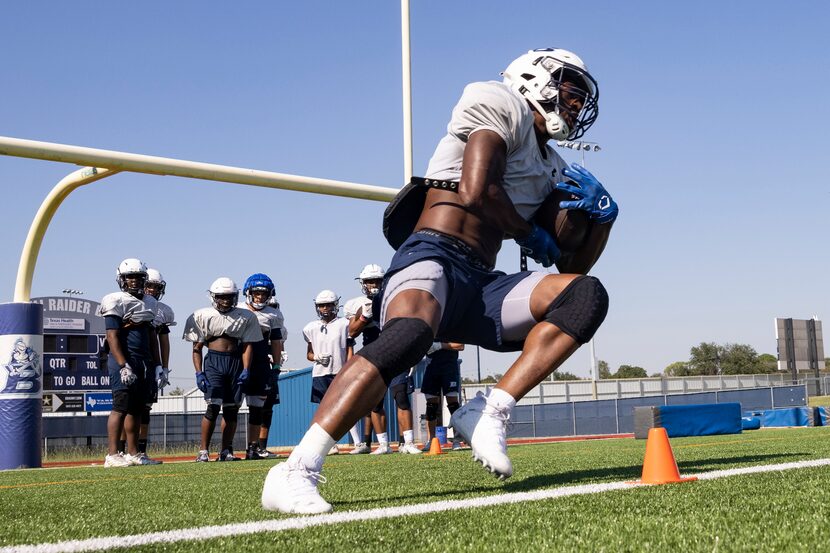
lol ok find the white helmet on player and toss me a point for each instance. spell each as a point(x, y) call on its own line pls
point(370, 279)
point(538, 76)
point(159, 285)
point(131, 275)
point(327, 304)
point(223, 294)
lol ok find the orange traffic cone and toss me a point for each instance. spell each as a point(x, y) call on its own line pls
point(659, 466)
point(434, 447)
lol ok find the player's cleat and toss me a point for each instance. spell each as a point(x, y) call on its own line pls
point(227, 455)
point(139, 459)
point(456, 444)
point(252, 453)
point(291, 487)
point(203, 456)
point(382, 449)
point(150, 460)
point(485, 429)
point(265, 454)
point(334, 450)
point(410, 449)
point(360, 449)
point(116, 460)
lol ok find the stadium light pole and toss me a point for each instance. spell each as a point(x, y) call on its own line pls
point(583, 147)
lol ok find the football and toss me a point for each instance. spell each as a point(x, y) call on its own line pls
point(569, 227)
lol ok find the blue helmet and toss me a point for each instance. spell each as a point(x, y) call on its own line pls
point(258, 282)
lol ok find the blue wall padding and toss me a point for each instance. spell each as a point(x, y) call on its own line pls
point(750, 423)
point(821, 416)
point(794, 416)
point(701, 420)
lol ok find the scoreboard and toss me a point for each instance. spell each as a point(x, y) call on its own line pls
point(73, 344)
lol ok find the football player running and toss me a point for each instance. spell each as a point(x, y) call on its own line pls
point(132, 347)
point(229, 333)
point(486, 179)
point(329, 347)
point(263, 379)
point(442, 375)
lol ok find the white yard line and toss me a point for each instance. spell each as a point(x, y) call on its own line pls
point(297, 523)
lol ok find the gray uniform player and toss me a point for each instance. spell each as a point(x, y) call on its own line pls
point(228, 333)
point(132, 353)
point(487, 178)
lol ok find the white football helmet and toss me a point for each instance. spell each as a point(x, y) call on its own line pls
point(154, 277)
point(131, 267)
point(371, 273)
point(538, 76)
point(327, 304)
point(223, 294)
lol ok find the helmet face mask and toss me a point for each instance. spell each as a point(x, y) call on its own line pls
point(327, 304)
point(258, 290)
point(557, 84)
point(223, 294)
point(371, 278)
point(131, 275)
point(155, 284)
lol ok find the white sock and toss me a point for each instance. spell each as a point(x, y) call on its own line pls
point(356, 434)
point(501, 400)
point(313, 448)
point(383, 439)
point(408, 436)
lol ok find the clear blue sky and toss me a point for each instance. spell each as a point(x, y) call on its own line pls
point(713, 121)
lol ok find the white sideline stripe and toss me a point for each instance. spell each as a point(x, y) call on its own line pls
point(297, 523)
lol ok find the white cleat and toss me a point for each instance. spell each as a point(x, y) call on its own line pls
point(334, 450)
point(139, 459)
point(382, 450)
point(116, 460)
point(360, 448)
point(410, 449)
point(485, 429)
point(291, 487)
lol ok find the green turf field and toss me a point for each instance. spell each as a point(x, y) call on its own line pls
point(777, 511)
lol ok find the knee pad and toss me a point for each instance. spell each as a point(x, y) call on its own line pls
point(267, 416)
point(401, 344)
point(230, 413)
point(145, 415)
point(453, 406)
point(212, 412)
point(432, 412)
point(254, 415)
point(380, 408)
point(402, 399)
point(580, 309)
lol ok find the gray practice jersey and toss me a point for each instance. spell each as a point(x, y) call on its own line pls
point(328, 339)
point(164, 315)
point(271, 322)
point(128, 308)
point(528, 176)
point(208, 323)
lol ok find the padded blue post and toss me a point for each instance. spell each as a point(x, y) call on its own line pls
point(21, 384)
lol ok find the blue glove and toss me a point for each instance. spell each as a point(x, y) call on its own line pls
point(593, 197)
point(540, 246)
point(201, 381)
point(243, 377)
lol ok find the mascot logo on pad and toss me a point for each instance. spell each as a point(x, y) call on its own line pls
point(22, 371)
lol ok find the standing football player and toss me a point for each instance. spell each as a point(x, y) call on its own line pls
point(228, 332)
point(273, 389)
point(485, 181)
point(133, 352)
point(358, 311)
point(329, 347)
point(442, 375)
point(267, 353)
